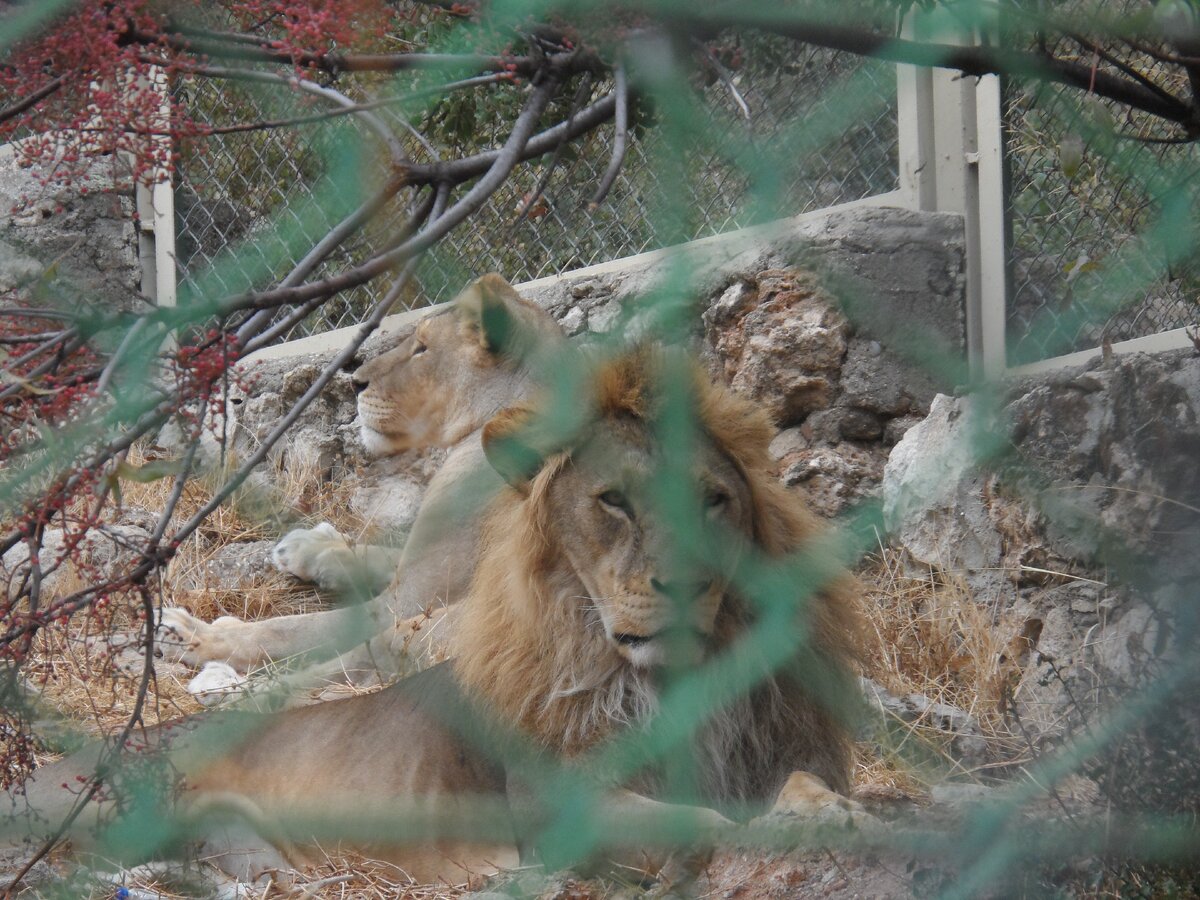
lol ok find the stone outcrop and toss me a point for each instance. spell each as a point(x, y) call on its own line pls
point(75, 243)
point(825, 319)
point(1074, 502)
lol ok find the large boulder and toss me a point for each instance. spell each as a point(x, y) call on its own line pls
point(71, 242)
point(1072, 503)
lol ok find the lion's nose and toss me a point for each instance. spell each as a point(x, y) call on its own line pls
point(681, 590)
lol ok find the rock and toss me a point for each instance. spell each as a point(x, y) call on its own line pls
point(388, 492)
point(952, 794)
point(833, 477)
point(1084, 523)
point(79, 238)
point(603, 318)
point(1117, 441)
point(102, 554)
point(324, 438)
point(967, 744)
point(573, 321)
point(233, 567)
point(860, 425)
point(17, 269)
point(895, 429)
point(390, 503)
point(786, 443)
point(933, 496)
point(875, 379)
point(899, 266)
point(781, 344)
point(823, 426)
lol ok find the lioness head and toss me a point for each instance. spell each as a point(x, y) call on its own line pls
point(651, 588)
point(455, 369)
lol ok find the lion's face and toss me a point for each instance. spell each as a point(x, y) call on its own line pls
point(654, 603)
point(450, 373)
point(413, 395)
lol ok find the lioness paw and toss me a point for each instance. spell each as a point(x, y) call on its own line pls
point(216, 683)
point(184, 638)
point(303, 552)
point(804, 795)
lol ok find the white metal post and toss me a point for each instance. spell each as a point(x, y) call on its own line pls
point(993, 231)
point(914, 126)
point(155, 204)
point(951, 160)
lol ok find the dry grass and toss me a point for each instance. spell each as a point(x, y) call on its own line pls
point(928, 635)
point(346, 877)
point(88, 669)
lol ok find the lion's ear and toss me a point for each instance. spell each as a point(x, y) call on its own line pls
point(494, 307)
point(507, 445)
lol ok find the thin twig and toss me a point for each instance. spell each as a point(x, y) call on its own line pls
point(725, 76)
point(585, 85)
point(248, 333)
point(335, 63)
point(376, 124)
point(454, 173)
point(104, 765)
point(970, 60)
point(1116, 61)
point(298, 315)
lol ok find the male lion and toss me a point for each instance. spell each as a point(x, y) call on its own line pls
point(437, 388)
point(586, 601)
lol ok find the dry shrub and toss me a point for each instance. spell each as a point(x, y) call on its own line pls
point(928, 635)
point(88, 669)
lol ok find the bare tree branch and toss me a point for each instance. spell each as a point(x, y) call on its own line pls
point(33, 99)
point(620, 136)
point(336, 63)
point(970, 60)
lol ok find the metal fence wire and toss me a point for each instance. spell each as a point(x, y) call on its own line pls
point(1087, 183)
point(229, 186)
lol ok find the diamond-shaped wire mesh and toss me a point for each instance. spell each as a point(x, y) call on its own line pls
point(1083, 269)
point(230, 186)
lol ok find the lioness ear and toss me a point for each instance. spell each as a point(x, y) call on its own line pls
point(508, 448)
point(493, 306)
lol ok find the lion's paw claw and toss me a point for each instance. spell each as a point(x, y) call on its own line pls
point(186, 639)
point(300, 551)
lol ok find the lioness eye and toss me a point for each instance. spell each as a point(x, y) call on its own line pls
point(419, 348)
point(715, 500)
point(615, 499)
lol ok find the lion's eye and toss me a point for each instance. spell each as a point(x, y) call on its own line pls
point(715, 499)
point(615, 499)
point(419, 348)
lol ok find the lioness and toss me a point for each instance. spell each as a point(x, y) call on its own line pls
point(584, 603)
point(437, 388)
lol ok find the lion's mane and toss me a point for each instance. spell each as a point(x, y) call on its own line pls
point(526, 646)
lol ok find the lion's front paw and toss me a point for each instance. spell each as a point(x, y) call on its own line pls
point(184, 638)
point(806, 796)
point(303, 552)
point(216, 683)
